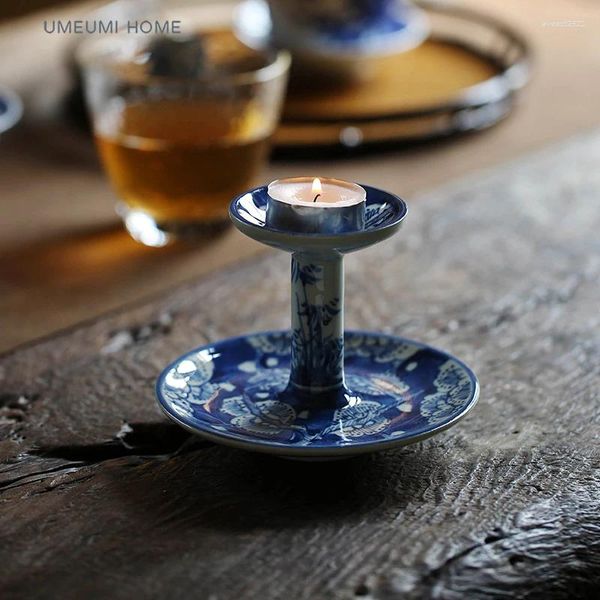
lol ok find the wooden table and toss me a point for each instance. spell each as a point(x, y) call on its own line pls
point(102, 498)
point(63, 255)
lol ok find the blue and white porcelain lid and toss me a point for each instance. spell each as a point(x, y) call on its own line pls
point(335, 27)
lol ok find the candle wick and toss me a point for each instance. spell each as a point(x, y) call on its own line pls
point(316, 197)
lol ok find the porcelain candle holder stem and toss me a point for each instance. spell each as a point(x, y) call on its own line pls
point(317, 349)
point(317, 235)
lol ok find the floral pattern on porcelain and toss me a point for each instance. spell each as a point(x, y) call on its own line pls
point(317, 345)
point(452, 390)
point(394, 389)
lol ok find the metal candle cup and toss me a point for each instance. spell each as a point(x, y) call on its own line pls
point(316, 205)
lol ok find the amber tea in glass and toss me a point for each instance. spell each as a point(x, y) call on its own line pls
point(178, 149)
point(182, 161)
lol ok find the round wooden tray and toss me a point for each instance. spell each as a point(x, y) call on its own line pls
point(462, 78)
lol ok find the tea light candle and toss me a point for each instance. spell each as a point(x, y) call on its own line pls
point(316, 205)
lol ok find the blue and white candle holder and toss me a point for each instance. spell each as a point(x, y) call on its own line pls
point(316, 392)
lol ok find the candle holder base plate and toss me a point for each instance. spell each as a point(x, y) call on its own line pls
point(236, 392)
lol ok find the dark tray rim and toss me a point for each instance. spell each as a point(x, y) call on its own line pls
point(499, 89)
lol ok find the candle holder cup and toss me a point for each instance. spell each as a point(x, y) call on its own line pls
point(317, 392)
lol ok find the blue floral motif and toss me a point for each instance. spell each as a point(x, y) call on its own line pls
point(209, 391)
point(453, 388)
point(379, 349)
point(376, 385)
point(377, 215)
point(278, 343)
point(191, 381)
point(307, 274)
point(317, 344)
point(365, 418)
point(267, 418)
point(267, 379)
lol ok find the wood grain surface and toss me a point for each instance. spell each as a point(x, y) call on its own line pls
point(102, 498)
point(63, 254)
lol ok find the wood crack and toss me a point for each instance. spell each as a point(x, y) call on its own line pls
point(13, 411)
point(37, 476)
point(550, 550)
point(135, 440)
point(135, 334)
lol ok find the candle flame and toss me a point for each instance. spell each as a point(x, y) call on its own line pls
point(316, 186)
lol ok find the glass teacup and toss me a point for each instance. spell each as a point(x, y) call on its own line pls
point(182, 125)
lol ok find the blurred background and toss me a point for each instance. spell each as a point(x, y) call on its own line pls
point(190, 103)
